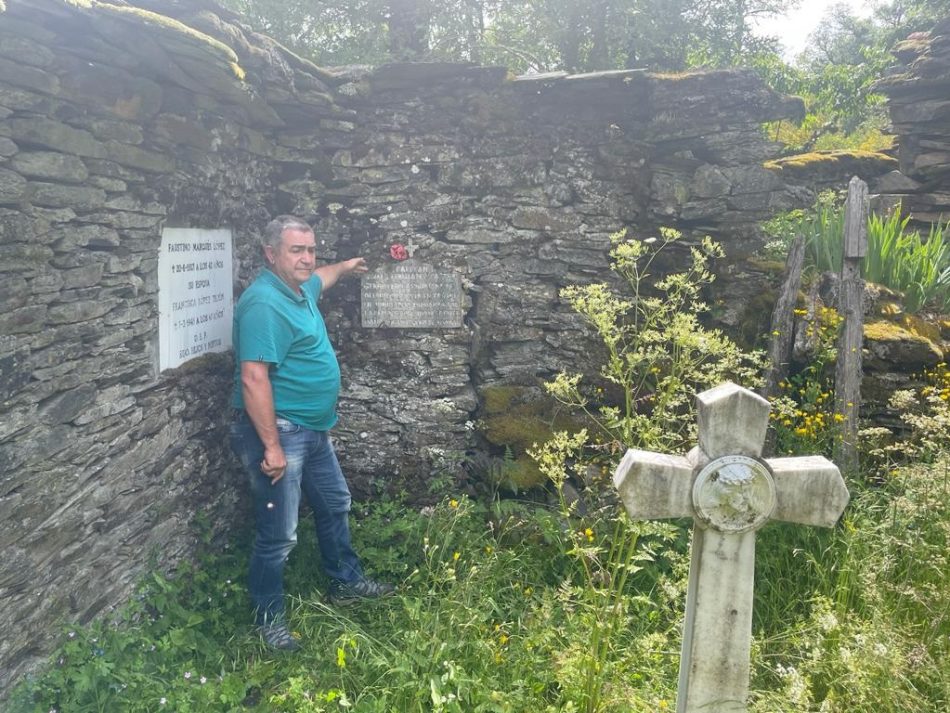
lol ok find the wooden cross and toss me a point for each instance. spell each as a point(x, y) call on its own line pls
point(730, 492)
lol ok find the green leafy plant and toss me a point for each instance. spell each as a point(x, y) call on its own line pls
point(609, 549)
point(511, 608)
point(658, 354)
point(898, 256)
point(925, 415)
point(857, 620)
point(904, 260)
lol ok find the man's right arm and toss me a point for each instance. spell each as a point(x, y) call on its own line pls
point(259, 404)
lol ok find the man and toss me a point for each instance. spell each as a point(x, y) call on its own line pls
point(285, 390)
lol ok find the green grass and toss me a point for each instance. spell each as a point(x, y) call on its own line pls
point(498, 606)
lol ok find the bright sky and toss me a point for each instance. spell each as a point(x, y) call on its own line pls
point(794, 27)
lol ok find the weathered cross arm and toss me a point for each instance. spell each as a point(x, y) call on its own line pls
point(654, 486)
point(809, 490)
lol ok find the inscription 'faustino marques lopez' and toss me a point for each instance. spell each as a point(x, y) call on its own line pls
point(411, 295)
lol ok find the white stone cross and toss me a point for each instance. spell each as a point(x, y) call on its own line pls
point(730, 492)
point(411, 248)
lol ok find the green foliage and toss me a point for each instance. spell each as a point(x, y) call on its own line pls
point(823, 228)
point(897, 257)
point(519, 608)
point(836, 74)
point(170, 646)
point(905, 260)
point(658, 354)
point(856, 620)
point(544, 35)
point(925, 415)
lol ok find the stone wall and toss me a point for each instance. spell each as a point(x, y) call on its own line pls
point(918, 94)
point(116, 122)
point(113, 124)
point(517, 184)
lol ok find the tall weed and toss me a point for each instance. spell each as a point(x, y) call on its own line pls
point(658, 353)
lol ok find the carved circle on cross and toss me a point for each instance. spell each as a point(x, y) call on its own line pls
point(734, 494)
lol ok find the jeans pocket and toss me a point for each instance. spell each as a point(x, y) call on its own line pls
point(285, 426)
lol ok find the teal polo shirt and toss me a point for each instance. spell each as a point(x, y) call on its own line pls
point(274, 324)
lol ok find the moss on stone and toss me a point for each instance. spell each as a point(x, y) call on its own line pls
point(767, 265)
point(522, 474)
point(516, 418)
point(513, 419)
point(832, 162)
point(497, 399)
point(883, 330)
point(913, 45)
point(674, 76)
point(921, 327)
point(517, 429)
point(168, 23)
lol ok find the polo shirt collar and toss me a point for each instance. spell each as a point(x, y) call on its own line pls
point(283, 287)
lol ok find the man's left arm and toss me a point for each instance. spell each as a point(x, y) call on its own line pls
point(329, 274)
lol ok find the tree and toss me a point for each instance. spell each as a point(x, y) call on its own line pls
point(845, 56)
point(540, 35)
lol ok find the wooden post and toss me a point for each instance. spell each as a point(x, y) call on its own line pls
point(848, 371)
point(783, 319)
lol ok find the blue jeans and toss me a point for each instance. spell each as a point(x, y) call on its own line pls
point(312, 468)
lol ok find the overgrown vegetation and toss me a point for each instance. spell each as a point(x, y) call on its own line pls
point(658, 353)
point(509, 612)
point(898, 256)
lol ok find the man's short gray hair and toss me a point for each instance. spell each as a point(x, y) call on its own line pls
point(275, 229)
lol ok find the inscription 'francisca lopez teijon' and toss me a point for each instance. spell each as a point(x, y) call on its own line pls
point(411, 295)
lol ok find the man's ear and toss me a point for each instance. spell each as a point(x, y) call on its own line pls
point(268, 254)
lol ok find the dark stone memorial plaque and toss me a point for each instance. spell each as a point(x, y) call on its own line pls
point(411, 295)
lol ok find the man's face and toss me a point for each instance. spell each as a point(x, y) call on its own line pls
point(294, 260)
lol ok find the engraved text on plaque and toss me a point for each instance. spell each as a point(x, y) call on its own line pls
point(411, 295)
point(195, 294)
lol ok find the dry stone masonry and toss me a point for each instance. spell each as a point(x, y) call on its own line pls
point(115, 124)
point(119, 121)
point(918, 93)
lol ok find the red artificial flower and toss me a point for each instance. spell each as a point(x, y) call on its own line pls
point(398, 252)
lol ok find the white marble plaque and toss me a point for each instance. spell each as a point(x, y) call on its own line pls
point(195, 294)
